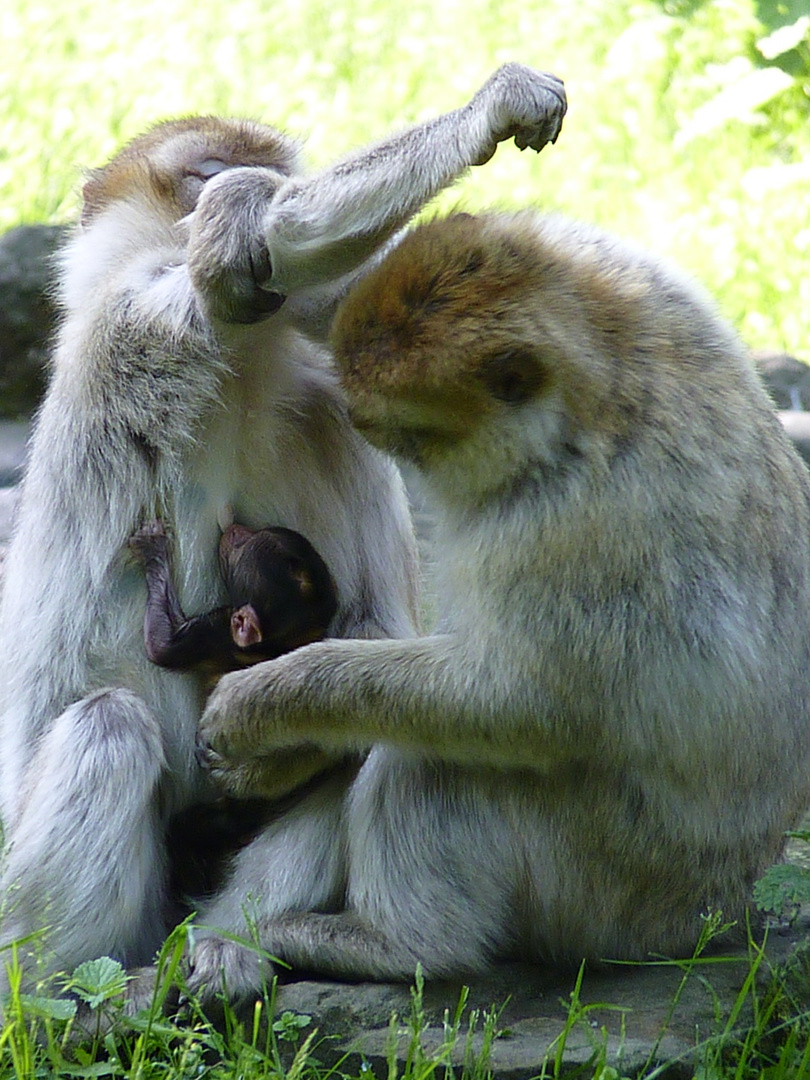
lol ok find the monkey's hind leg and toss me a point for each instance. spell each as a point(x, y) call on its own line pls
point(85, 863)
point(446, 902)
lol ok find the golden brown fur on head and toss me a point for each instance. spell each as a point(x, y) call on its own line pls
point(171, 161)
point(472, 316)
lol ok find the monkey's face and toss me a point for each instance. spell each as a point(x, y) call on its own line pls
point(172, 162)
point(281, 591)
point(437, 344)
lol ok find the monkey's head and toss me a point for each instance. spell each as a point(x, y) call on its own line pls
point(171, 163)
point(480, 343)
point(279, 587)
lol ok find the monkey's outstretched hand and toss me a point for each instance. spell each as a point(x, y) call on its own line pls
point(250, 717)
point(522, 104)
point(266, 776)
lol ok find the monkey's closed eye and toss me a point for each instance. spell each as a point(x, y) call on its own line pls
point(208, 168)
point(513, 376)
point(194, 180)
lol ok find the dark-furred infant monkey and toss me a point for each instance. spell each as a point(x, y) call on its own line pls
point(281, 596)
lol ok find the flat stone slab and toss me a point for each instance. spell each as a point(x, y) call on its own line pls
point(630, 1016)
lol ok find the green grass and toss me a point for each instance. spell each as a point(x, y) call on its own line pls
point(763, 1033)
point(648, 148)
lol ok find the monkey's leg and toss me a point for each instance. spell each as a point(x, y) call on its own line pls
point(85, 858)
point(432, 867)
point(297, 863)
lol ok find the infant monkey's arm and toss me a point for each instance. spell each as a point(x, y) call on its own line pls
point(171, 640)
point(281, 596)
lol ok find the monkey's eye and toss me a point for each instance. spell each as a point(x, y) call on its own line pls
point(194, 179)
point(512, 376)
point(208, 168)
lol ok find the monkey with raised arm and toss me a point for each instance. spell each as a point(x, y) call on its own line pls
point(190, 372)
point(609, 732)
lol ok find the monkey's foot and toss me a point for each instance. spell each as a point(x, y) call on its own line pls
point(221, 968)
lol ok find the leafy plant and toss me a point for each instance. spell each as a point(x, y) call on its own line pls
point(783, 888)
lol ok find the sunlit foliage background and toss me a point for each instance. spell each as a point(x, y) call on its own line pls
point(688, 130)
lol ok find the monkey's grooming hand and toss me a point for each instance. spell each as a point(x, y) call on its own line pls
point(268, 776)
point(264, 709)
point(227, 257)
point(522, 104)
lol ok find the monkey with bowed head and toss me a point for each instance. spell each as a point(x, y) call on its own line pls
point(191, 373)
point(608, 734)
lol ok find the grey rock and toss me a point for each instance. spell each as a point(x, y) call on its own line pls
point(13, 440)
point(27, 314)
point(797, 425)
point(8, 502)
point(635, 1015)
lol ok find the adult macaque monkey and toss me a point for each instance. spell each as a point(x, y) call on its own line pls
point(611, 731)
point(159, 406)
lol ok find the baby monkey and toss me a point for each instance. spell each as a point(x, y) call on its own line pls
point(281, 595)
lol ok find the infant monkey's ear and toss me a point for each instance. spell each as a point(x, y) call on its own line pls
point(246, 628)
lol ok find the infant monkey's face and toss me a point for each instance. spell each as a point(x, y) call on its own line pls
point(280, 589)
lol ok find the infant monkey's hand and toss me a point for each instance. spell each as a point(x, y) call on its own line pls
point(149, 542)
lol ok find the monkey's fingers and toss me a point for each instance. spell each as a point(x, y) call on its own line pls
point(228, 258)
point(149, 541)
point(231, 777)
point(547, 130)
point(526, 105)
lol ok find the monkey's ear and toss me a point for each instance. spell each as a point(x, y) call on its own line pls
point(302, 577)
point(91, 194)
point(246, 628)
point(513, 376)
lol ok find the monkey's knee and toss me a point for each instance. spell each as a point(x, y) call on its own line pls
point(85, 855)
point(108, 746)
point(117, 722)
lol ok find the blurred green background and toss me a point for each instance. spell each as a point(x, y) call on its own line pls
point(688, 127)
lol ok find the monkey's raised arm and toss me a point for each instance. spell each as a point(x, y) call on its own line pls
point(252, 236)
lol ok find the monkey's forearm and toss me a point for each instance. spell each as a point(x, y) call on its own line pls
point(423, 694)
point(171, 639)
point(257, 237)
point(182, 644)
point(337, 218)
